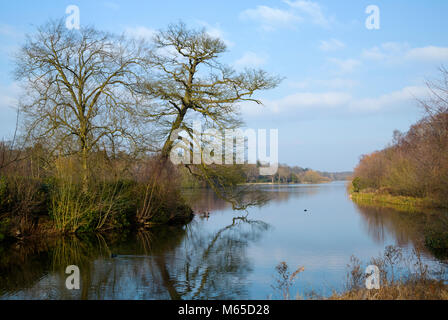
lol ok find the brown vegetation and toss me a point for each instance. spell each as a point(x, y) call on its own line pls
point(287, 174)
point(401, 278)
point(416, 164)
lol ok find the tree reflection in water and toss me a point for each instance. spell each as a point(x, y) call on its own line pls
point(407, 228)
point(205, 200)
point(164, 263)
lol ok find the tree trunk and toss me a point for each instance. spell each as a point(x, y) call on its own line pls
point(168, 146)
point(85, 169)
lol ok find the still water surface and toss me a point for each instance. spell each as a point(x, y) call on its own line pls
point(228, 255)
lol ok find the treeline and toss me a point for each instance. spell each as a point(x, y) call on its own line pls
point(337, 176)
point(416, 162)
point(295, 174)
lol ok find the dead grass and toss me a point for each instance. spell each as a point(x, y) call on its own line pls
point(402, 276)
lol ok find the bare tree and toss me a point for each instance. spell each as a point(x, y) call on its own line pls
point(80, 89)
point(187, 80)
point(438, 90)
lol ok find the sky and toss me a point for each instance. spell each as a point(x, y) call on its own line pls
point(346, 87)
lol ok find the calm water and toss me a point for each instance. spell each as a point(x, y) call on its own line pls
point(225, 256)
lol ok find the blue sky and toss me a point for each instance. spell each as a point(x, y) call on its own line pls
point(346, 88)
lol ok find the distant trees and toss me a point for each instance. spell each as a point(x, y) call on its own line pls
point(313, 177)
point(286, 174)
point(416, 164)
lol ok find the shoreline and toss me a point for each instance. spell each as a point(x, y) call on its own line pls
point(290, 183)
point(399, 203)
point(45, 229)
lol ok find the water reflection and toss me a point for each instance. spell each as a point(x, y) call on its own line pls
point(205, 200)
point(407, 228)
point(165, 263)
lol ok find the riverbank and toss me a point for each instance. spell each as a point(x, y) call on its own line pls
point(411, 290)
point(285, 183)
point(62, 209)
point(46, 229)
point(400, 203)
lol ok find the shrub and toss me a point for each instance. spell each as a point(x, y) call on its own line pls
point(356, 183)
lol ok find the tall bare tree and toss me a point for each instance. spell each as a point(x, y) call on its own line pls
point(79, 89)
point(187, 80)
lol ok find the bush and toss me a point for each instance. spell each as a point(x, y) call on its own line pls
point(158, 193)
point(437, 241)
point(104, 206)
point(356, 183)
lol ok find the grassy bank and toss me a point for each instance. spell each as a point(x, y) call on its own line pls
point(400, 203)
point(284, 183)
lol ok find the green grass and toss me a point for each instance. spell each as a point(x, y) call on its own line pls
point(400, 203)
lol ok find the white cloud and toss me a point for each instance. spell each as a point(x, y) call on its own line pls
point(312, 9)
point(140, 32)
point(270, 18)
point(331, 45)
point(9, 50)
point(333, 83)
point(10, 31)
point(9, 36)
point(251, 59)
point(342, 102)
point(111, 5)
point(374, 53)
point(345, 65)
point(339, 83)
point(309, 100)
point(6, 30)
point(300, 101)
point(9, 96)
point(396, 52)
point(386, 51)
point(216, 32)
point(405, 96)
point(296, 12)
point(430, 53)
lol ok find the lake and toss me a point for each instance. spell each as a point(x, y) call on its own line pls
point(227, 255)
